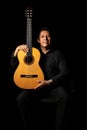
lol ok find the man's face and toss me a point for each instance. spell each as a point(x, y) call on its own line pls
point(44, 39)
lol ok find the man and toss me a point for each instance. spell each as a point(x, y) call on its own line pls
point(52, 89)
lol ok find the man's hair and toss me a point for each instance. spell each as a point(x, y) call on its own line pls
point(43, 29)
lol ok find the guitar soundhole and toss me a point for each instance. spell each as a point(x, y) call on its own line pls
point(28, 59)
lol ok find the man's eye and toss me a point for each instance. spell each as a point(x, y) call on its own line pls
point(42, 36)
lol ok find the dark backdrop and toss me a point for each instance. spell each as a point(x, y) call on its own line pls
point(63, 18)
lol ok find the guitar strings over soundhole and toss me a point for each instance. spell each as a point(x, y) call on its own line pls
point(28, 59)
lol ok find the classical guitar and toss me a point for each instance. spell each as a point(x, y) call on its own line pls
point(28, 70)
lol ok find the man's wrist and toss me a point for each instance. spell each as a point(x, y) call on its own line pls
point(50, 81)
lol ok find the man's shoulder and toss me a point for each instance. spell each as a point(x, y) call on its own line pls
point(57, 52)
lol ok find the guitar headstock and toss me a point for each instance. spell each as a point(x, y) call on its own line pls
point(28, 12)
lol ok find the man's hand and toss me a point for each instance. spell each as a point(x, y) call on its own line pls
point(43, 83)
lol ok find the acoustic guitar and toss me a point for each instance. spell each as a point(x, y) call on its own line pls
point(28, 70)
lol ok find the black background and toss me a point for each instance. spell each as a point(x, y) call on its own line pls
point(64, 19)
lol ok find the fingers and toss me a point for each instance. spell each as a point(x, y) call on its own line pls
point(24, 48)
point(40, 84)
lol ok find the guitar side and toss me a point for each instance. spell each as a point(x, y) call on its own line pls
point(26, 75)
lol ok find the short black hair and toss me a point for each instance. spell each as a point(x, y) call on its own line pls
point(43, 29)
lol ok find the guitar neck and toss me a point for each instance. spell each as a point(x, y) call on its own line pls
point(29, 30)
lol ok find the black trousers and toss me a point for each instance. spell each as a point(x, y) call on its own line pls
point(29, 102)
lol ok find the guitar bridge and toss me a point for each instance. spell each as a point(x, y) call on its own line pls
point(29, 76)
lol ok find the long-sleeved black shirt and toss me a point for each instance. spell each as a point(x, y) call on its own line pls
point(53, 65)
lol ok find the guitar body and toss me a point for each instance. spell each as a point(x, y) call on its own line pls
point(27, 74)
